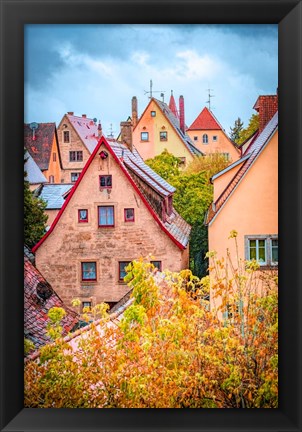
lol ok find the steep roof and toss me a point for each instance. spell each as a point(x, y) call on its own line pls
point(39, 297)
point(53, 194)
point(251, 154)
point(40, 147)
point(33, 173)
point(87, 130)
point(132, 165)
point(174, 121)
point(205, 121)
point(172, 106)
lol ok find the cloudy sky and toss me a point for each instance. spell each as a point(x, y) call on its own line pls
point(96, 69)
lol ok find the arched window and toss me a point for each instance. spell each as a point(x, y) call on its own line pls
point(205, 139)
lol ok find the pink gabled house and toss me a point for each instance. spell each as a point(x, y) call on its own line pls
point(119, 210)
point(246, 196)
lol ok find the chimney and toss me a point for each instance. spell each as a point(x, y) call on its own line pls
point(266, 106)
point(126, 134)
point(84, 115)
point(182, 113)
point(100, 131)
point(70, 112)
point(134, 111)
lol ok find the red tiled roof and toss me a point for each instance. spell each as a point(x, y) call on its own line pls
point(172, 106)
point(87, 130)
point(250, 156)
point(205, 121)
point(40, 147)
point(177, 228)
point(39, 297)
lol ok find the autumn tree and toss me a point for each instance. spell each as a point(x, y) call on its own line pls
point(34, 217)
point(169, 349)
point(236, 130)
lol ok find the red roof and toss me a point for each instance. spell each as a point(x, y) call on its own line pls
point(205, 121)
point(39, 145)
point(172, 106)
point(39, 297)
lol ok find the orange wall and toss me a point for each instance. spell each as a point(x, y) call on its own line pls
point(154, 125)
point(252, 209)
point(222, 145)
point(54, 166)
point(222, 181)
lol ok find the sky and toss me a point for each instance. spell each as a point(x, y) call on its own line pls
point(96, 69)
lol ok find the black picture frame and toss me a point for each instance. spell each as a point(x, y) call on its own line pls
point(14, 14)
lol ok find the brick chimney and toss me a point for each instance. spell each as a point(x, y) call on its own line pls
point(84, 115)
point(70, 112)
point(100, 131)
point(126, 134)
point(134, 111)
point(266, 106)
point(182, 113)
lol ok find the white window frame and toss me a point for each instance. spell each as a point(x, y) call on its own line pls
point(205, 139)
point(268, 248)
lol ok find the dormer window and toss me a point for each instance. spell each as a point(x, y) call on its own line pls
point(163, 136)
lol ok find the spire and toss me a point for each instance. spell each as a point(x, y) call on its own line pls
point(172, 105)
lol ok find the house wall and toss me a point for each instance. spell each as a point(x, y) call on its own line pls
point(51, 214)
point(222, 181)
point(54, 168)
point(75, 144)
point(59, 257)
point(155, 125)
point(222, 145)
point(252, 209)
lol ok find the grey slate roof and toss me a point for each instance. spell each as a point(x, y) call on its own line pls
point(53, 193)
point(34, 174)
point(175, 123)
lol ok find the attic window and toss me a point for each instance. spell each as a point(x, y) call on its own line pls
point(106, 216)
point(153, 113)
point(66, 136)
point(74, 176)
point(76, 156)
point(195, 138)
point(129, 215)
point(163, 136)
point(105, 181)
point(215, 138)
point(144, 136)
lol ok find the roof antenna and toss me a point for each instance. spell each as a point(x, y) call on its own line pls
point(33, 126)
point(111, 132)
point(210, 96)
point(150, 92)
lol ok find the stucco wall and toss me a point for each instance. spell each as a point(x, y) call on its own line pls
point(54, 165)
point(59, 257)
point(222, 145)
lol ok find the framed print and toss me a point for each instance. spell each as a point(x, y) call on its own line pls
point(108, 215)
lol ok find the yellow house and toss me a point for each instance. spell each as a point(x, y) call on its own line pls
point(159, 128)
point(41, 142)
point(246, 200)
point(209, 137)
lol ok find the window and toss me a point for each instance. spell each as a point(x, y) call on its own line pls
point(86, 304)
point(144, 136)
point(153, 113)
point(196, 138)
point(105, 181)
point(157, 264)
point(74, 176)
point(51, 179)
point(75, 156)
point(54, 157)
point(88, 271)
point(205, 139)
point(163, 136)
point(215, 138)
point(66, 137)
point(129, 215)
point(83, 215)
point(106, 216)
point(122, 271)
point(262, 248)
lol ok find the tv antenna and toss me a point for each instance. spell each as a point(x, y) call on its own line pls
point(110, 135)
point(34, 126)
point(209, 96)
point(150, 92)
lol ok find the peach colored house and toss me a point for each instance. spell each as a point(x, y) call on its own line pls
point(161, 127)
point(42, 145)
point(246, 200)
point(118, 210)
point(78, 137)
point(209, 136)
